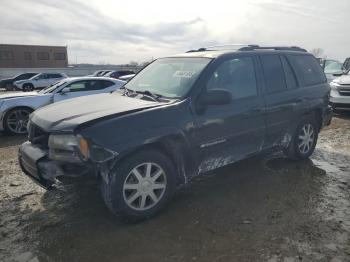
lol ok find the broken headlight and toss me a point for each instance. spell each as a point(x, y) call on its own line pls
point(71, 148)
point(63, 147)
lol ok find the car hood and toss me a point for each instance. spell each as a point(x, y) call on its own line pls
point(343, 80)
point(6, 80)
point(67, 115)
point(18, 94)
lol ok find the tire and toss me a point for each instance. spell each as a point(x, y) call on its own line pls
point(122, 184)
point(16, 120)
point(28, 87)
point(303, 143)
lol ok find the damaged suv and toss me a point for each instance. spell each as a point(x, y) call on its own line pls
point(181, 116)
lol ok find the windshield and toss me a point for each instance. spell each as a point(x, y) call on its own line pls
point(333, 67)
point(52, 87)
point(169, 77)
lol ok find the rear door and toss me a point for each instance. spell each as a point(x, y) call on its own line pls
point(283, 100)
point(227, 133)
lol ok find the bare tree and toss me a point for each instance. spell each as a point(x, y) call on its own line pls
point(317, 52)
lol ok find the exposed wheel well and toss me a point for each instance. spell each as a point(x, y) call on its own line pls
point(317, 114)
point(167, 148)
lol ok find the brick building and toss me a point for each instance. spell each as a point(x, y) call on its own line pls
point(33, 56)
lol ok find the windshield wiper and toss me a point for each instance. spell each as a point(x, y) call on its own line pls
point(148, 93)
point(127, 91)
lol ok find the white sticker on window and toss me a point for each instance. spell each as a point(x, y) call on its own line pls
point(183, 74)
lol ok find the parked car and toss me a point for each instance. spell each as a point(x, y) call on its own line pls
point(16, 107)
point(180, 117)
point(118, 74)
point(39, 81)
point(8, 82)
point(104, 73)
point(333, 69)
point(97, 73)
point(340, 93)
point(127, 77)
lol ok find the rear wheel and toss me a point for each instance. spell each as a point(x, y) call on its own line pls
point(304, 140)
point(28, 87)
point(140, 186)
point(9, 87)
point(16, 120)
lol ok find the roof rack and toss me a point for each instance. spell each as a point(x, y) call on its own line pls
point(287, 48)
point(244, 47)
point(220, 47)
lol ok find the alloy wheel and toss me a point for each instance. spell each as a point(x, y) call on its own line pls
point(306, 138)
point(144, 186)
point(17, 121)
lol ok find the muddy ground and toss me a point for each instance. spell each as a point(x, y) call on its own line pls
point(262, 209)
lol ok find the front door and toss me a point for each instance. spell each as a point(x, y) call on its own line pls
point(227, 133)
point(42, 81)
point(82, 88)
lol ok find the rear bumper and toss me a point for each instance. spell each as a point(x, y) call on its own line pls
point(35, 164)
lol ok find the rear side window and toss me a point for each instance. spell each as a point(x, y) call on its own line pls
point(105, 83)
point(308, 69)
point(289, 74)
point(273, 73)
point(97, 84)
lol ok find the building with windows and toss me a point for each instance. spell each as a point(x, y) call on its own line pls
point(33, 56)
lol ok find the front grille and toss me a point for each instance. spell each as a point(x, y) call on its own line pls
point(344, 90)
point(37, 136)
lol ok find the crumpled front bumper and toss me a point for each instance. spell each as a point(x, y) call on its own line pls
point(34, 163)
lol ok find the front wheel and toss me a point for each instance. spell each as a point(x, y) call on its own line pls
point(304, 140)
point(140, 186)
point(16, 120)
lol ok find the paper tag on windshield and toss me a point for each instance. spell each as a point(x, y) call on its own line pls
point(184, 74)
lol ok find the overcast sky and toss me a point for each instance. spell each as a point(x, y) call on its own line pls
point(113, 31)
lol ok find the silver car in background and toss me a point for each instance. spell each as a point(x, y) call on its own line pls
point(340, 93)
point(16, 107)
point(39, 81)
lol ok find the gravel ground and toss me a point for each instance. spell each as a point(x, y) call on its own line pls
point(265, 208)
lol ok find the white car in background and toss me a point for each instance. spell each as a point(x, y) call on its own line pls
point(16, 107)
point(340, 93)
point(39, 81)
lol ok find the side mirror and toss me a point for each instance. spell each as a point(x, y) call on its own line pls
point(215, 97)
point(65, 90)
point(37, 78)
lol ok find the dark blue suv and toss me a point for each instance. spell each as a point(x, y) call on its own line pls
point(180, 117)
